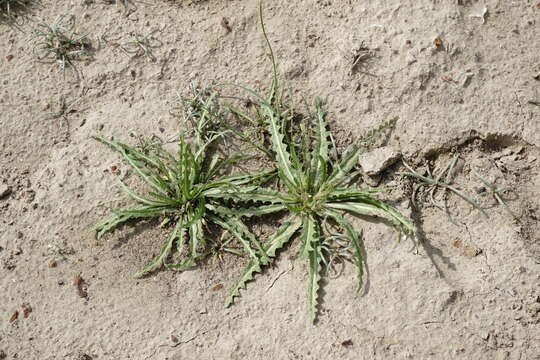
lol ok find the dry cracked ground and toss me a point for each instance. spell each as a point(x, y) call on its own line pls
point(462, 77)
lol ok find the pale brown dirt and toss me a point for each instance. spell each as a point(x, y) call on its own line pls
point(468, 291)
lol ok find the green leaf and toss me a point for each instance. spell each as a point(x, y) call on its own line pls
point(243, 230)
point(195, 237)
point(311, 235)
point(283, 157)
point(282, 235)
point(353, 194)
point(260, 210)
point(109, 224)
point(126, 214)
point(165, 250)
point(131, 156)
point(375, 208)
point(349, 160)
point(355, 240)
point(253, 266)
point(239, 232)
point(259, 194)
point(313, 281)
point(319, 157)
point(142, 199)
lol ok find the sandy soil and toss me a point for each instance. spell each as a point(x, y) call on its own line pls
point(468, 291)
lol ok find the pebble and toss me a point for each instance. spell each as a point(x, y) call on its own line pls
point(376, 161)
point(4, 190)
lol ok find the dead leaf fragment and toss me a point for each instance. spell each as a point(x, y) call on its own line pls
point(14, 316)
point(27, 309)
point(347, 343)
point(217, 287)
point(82, 286)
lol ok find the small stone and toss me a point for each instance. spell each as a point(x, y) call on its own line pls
point(471, 251)
point(4, 191)
point(372, 181)
point(466, 80)
point(376, 161)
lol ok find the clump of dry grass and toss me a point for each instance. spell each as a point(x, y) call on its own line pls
point(60, 42)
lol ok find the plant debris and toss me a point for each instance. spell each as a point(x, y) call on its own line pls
point(82, 286)
point(27, 309)
point(14, 316)
point(347, 343)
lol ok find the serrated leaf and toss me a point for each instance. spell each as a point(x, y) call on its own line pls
point(142, 199)
point(282, 235)
point(283, 157)
point(310, 236)
point(123, 215)
point(244, 231)
point(232, 226)
point(342, 168)
point(253, 266)
point(319, 156)
point(109, 224)
point(260, 210)
point(313, 281)
point(375, 208)
point(165, 250)
point(195, 237)
point(126, 152)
